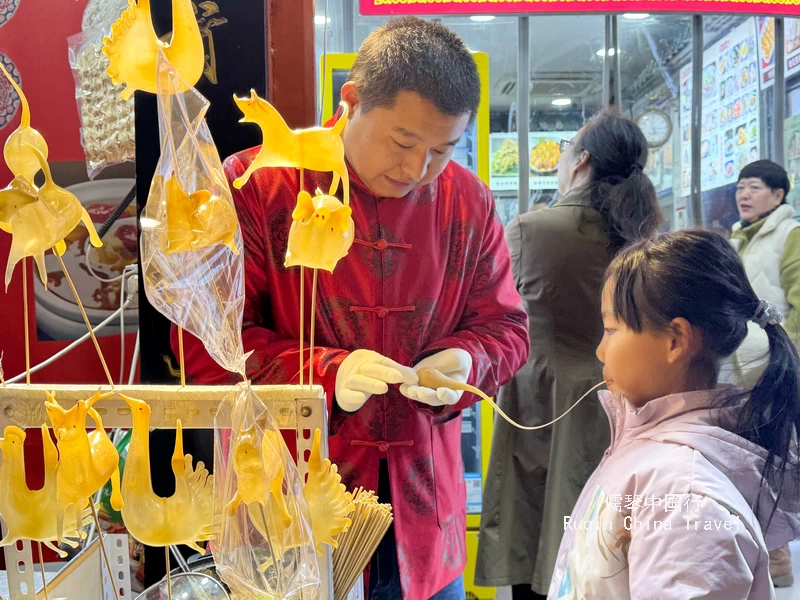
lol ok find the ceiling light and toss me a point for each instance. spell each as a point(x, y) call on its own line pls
point(602, 52)
point(321, 20)
point(561, 101)
point(635, 16)
point(482, 18)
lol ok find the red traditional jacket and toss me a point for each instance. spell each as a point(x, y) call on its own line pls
point(426, 272)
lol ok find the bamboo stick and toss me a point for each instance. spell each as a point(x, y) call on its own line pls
point(85, 319)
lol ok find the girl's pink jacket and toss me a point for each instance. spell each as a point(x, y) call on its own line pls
point(669, 512)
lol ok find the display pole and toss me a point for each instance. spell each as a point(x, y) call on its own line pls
point(697, 118)
point(169, 575)
point(25, 320)
point(302, 295)
point(41, 566)
point(523, 112)
point(779, 93)
point(180, 357)
point(311, 339)
point(103, 548)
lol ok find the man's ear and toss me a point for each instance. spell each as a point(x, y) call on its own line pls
point(350, 95)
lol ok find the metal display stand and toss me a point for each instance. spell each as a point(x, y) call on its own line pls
point(301, 408)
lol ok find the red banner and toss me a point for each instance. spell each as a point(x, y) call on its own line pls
point(472, 7)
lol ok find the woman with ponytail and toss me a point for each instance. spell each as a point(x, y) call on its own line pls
point(559, 256)
point(700, 481)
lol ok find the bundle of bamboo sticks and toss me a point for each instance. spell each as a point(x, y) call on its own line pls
point(371, 521)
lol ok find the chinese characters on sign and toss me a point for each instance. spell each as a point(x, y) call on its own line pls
point(660, 517)
point(669, 502)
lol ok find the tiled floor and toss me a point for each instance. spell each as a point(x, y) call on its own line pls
point(792, 593)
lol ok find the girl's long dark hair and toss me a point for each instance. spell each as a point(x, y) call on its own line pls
point(619, 190)
point(697, 275)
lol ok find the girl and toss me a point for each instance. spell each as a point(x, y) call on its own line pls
point(559, 256)
point(699, 481)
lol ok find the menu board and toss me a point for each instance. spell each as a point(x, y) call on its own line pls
point(792, 33)
point(544, 155)
point(766, 48)
point(729, 131)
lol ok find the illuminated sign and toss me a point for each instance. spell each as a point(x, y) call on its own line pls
point(471, 7)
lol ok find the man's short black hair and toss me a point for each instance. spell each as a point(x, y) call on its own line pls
point(408, 54)
point(772, 174)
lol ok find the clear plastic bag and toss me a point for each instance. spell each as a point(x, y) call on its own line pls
point(107, 121)
point(263, 542)
point(100, 14)
point(191, 243)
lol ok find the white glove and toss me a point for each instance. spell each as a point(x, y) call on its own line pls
point(455, 363)
point(364, 373)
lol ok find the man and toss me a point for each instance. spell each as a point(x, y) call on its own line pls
point(768, 240)
point(426, 283)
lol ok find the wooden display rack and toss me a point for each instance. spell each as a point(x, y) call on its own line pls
point(301, 408)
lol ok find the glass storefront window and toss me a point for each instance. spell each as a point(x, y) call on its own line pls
point(328, 37)
point(497, 38)
point(566, 90)
point(653, 53)
point(363, 26)
point(734, 114)
point(335, 31)
point(346, 30)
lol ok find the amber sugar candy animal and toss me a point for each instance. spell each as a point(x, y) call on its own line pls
point(87, 461)
point(132, 49)
point(19, 158)
point(37, 219)
point(259, 474)
point(31, 514)
point(183, 518)
point(197, 220)
point(329, 503)
point(317, 148)
point(322, 232)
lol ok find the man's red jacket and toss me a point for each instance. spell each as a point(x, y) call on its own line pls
point(426, 272)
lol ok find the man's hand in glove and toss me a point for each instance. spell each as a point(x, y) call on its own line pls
point(364, 373)
point(454, 363)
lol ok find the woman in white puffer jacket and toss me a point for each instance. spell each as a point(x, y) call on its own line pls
point(767, 239)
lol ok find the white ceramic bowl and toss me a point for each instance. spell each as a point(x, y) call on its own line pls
point(57, 313)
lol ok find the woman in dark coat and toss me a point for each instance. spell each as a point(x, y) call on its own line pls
point(559, 256)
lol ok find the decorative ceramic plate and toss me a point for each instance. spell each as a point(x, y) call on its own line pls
point(9, 99)
point(7, 10)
